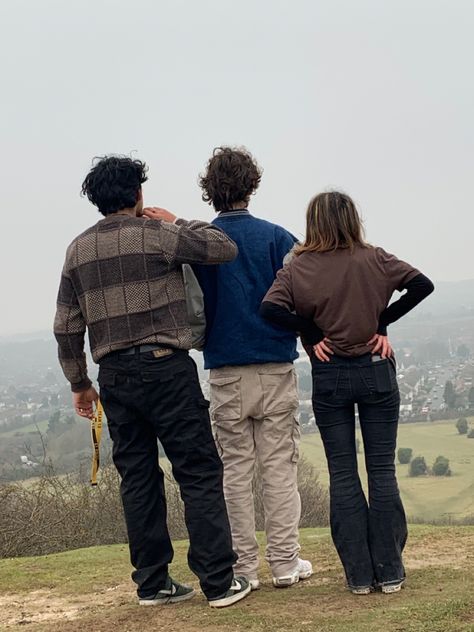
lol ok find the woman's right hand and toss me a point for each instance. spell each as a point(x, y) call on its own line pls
point(322, 350)
point(382, 346)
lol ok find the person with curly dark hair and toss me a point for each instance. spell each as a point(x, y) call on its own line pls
point(254, 398)
point(231, 178)
point(123, 282)
point(114, 183)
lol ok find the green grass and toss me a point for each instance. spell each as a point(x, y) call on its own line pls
point(429, 497)
point(90, 589)
point(42, 425)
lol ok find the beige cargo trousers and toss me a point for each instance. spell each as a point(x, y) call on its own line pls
point(253, 413)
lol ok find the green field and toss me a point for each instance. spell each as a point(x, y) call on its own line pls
point(429, 497)
point(41, 425)
point(90, 589)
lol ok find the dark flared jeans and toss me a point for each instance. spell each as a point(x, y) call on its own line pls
point(369, 535)
point(145, 397)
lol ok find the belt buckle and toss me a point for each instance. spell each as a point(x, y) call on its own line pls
point(161, 353)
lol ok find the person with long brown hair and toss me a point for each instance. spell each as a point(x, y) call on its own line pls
point(342, 286)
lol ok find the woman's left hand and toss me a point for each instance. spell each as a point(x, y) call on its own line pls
point(382, 346)
point(322, 350)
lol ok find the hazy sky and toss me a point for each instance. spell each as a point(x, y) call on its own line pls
point(373, 96)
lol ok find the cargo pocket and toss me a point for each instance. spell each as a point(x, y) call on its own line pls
point(296, 437)
point(279, 387)
point(226, 403)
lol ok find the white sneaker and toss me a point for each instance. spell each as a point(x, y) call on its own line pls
point(393, 587)
point(361, 590)
point(303, 571)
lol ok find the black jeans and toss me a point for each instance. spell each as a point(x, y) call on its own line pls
point(369, 536)
point(145, 397)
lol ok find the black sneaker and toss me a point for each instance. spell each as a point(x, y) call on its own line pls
point(239, 589)
point(171, 593)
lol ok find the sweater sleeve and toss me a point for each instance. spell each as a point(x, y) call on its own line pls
point(280, 316)
point(417, 289)
point(189, 242)
point(69, 331)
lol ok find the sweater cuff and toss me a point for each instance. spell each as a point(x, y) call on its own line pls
point(312, 335)
point(382, 330)
point(83, 385)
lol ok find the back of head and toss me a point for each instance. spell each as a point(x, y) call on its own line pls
point(232, 175)
point(114, 183)
point(332, 222)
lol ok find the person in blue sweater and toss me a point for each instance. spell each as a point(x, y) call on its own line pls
point(253, 389)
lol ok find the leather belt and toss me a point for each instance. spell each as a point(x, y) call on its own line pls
point(144, 349)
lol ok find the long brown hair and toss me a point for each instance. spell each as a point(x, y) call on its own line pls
point(332, 222)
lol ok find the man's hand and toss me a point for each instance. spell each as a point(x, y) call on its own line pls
point(155, 212)
point(381, 346)
point(322, 350)
point(83, 401)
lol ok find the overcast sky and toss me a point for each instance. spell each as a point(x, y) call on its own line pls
point(372, 96)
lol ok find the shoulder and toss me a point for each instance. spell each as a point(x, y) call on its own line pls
point(278, 232)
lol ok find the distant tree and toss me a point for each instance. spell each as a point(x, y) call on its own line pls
point(404, 455)
point(470, 434)
point(54, 422)
point(418, 466)
point(463, 352)
point(462, 425)
point(471, 397)
point(449, 394)
point(441, 466)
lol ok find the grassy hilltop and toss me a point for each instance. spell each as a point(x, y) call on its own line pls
point(90, 589)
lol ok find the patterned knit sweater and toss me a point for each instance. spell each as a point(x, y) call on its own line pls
point(122, 280)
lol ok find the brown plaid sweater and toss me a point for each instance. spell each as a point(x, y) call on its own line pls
point(122, 280)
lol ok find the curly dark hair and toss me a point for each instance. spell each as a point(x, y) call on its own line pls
point(113, 183)
point(232, 175)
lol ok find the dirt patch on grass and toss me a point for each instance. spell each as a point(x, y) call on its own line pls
point(454, 552)
point(41, 606)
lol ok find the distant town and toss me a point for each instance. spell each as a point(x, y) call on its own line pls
point(435, 367)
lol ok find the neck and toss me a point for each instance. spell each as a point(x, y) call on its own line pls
point(127, 211)
point(238, 206)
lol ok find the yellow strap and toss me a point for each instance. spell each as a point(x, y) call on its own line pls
point(96, 432)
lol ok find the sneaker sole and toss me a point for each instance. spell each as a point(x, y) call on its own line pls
point(285, 582)
point(228, 601)
point(361, 591)
point(165, 601)
point(389, 590)
point(290, 580)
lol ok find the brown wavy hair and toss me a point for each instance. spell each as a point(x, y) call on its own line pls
point(232, 175)
point(332, 222)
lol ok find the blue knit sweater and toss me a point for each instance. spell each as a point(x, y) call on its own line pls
point(236, 334)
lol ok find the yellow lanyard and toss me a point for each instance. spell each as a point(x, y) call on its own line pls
point(96, 432)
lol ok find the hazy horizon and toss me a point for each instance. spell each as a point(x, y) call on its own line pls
point(373, 98)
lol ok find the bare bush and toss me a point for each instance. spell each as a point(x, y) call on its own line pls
point(61, 512)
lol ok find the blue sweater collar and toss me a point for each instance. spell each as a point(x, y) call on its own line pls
point(240, 211)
